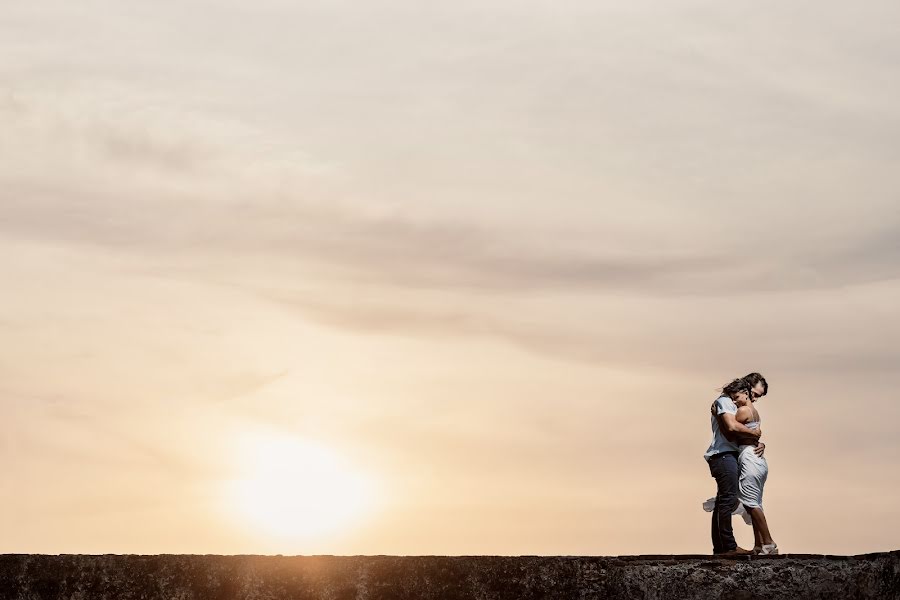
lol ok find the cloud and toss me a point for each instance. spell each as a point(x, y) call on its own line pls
point(796, 331)
point(402, 250)
point(115, 164)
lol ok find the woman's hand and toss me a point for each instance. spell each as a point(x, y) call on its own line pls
point(760, 448)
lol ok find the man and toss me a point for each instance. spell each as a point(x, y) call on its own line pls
point(722, 455)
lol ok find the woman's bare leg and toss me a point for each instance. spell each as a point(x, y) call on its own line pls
point(757, 536)
point(760, 526)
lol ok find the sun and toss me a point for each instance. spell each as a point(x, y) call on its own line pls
point(289, 486)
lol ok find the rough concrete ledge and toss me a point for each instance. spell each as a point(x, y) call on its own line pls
point(381, 577)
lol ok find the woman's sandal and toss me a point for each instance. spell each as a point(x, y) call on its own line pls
point(769, 549)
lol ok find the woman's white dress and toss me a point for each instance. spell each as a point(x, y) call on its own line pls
point(753, 471)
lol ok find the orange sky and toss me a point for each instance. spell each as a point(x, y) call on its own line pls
point(421, 278)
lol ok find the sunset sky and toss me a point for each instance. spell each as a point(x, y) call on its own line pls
point(406, 277)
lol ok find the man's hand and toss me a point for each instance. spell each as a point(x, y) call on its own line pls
point(760, 448)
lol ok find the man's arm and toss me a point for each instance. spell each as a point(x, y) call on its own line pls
point(737, 432)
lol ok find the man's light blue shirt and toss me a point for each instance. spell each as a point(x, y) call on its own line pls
point(720, 443)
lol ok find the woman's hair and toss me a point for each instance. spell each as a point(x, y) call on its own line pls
point(735, 387)
point(753, 378)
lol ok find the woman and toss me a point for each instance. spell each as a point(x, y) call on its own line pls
point(754, 470)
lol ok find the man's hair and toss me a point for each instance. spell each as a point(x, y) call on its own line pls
point(735, 387)
point(753, 378)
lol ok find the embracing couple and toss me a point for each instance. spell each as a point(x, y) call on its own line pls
point(735, 459)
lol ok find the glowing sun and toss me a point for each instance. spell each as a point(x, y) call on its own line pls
point(289, 486)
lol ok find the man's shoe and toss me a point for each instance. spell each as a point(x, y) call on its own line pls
point(736, 552)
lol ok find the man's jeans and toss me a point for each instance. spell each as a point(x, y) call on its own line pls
point(724, 467)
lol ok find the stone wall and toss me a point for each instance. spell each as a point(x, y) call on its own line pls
point(380, 577)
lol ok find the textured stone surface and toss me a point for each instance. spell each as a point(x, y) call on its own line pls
point(209, 577)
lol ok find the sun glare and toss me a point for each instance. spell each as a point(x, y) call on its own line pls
point(289, 486)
